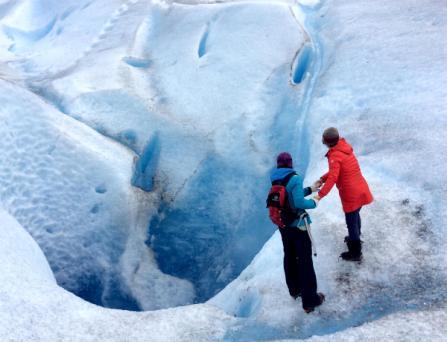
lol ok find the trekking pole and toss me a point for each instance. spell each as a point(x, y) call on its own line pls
point(314, 247)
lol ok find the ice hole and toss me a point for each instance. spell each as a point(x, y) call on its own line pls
point(301, 65)
point(202, 45)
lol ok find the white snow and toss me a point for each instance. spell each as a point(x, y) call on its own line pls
point(129, 127)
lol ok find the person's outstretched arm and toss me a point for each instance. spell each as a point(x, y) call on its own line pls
point(307, 191)
point(324, 177)
point(298, 194)
point(331, 177)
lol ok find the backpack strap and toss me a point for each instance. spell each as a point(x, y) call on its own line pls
point(298, 211)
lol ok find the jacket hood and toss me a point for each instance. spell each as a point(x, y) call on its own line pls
point(342, 146)
point(280, 173)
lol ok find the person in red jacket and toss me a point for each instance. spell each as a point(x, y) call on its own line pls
point(344, 171)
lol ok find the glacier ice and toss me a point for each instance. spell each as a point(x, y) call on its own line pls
point(373, 85)
point(173, 97)
point(67, 184)
point(217, 104)
point(35, 308)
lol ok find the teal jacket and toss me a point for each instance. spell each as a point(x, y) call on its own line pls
point(295, 192)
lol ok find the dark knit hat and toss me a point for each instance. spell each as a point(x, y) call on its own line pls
point(284, 159)
point(330, 136)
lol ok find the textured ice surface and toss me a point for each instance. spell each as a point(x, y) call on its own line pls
point(192, 96)
point(35, 308)
point(30, 313)
point(52, 168)
point(223, 85)
point(71, 188)
point(195, 102)
point(380, 85)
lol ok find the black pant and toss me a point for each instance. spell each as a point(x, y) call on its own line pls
point(354, 223)
point(298, 265)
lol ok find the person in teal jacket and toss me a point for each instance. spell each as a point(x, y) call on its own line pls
point(298, 265)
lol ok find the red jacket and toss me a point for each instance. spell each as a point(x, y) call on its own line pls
point(344, 171)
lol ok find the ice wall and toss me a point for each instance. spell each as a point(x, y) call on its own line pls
point(57, 181)
point(34, 308)
point(198, 98)
point(71, 188)
point(229, 86)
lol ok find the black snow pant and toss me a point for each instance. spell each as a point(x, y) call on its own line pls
point(354, 224)
point(298, 266)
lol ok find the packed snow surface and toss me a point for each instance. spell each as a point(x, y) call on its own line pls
point(137, 138)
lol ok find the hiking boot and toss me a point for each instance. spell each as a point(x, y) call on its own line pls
point(349, 256)
point(354, 252)
point(309, 309)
